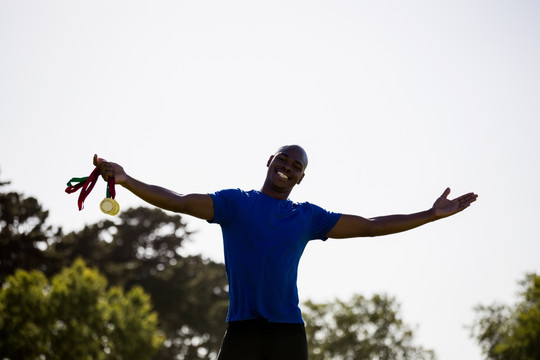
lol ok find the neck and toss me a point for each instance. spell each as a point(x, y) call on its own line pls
point(274, 192)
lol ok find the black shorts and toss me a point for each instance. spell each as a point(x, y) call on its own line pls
point(263, 340)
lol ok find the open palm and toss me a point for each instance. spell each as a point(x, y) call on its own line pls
point(445, 207)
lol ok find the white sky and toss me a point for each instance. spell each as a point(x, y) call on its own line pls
point(393, 101)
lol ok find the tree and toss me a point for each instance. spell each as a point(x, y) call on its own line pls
point(142, 247)
point(23, 233)
point(74, 316)
point(511, 332)
point(360, 329)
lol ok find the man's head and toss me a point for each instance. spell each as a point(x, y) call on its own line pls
point(285, 170)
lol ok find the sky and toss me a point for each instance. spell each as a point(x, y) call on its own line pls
point(393, 101)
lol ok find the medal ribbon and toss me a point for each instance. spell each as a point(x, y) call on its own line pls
point(111, 193)
point(86, 184)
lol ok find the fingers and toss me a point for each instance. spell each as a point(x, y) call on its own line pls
point(446, 193)
point(97, 160)
point(105, 168)
point(464, 201)
point(467, 199)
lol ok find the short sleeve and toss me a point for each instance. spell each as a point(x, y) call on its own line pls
point(224, 201)
point(322, 222)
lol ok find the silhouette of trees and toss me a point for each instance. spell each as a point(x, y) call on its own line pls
point(511, 332)
point(360, 329)
point(139, 248)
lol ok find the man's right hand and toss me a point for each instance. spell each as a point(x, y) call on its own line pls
point(107, 169)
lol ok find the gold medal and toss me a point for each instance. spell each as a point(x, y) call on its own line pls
point(117, 208)
point(109, 206)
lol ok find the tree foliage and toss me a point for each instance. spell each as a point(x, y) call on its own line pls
point(141, 247)
point(360, 329)
point(74, 316)
point(23, 232)
point(511, 332)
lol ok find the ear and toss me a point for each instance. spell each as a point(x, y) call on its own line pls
point(269, 161)
point(301, 177)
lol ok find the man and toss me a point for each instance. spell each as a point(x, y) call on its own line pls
point(264, 235)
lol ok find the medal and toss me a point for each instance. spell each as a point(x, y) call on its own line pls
point(86, 184)
point(109, 205)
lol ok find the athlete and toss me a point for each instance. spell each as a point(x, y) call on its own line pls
point(264, 236)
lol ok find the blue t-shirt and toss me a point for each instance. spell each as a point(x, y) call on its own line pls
point(264, 239)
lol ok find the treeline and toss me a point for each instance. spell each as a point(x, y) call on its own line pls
point(138, 249)
point(122, 289)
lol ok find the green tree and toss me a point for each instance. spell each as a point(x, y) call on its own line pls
point(74, 316)
point(511, 332)
point(360, 329)
point(142, 247)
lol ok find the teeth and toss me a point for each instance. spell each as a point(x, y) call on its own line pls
point(283, 176)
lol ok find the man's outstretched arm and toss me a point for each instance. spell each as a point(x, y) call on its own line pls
point(349, 226)
point(198, 205)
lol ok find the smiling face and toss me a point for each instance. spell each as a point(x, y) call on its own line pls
point(285, 169)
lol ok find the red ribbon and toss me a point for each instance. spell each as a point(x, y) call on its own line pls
point(85, 184)
point(110, 188)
